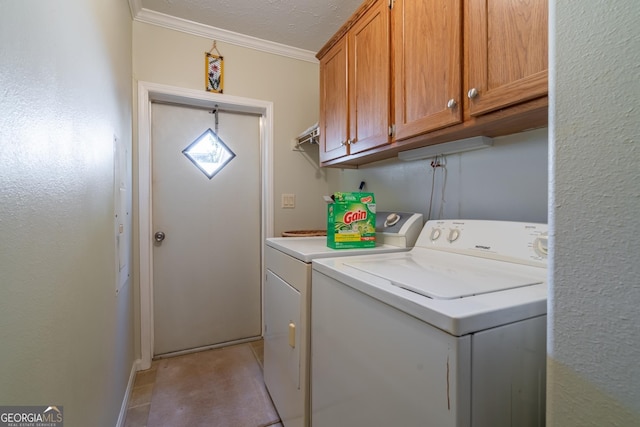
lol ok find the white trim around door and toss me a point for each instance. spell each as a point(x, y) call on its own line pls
point(152, 92)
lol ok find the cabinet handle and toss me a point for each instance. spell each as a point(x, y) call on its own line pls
point(473, 92)
point(451, 104)
point(343, 143)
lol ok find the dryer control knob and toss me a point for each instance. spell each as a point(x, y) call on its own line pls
point(454, 233)
point(392, 219)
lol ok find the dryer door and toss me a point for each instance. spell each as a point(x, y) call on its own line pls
point(282, 343)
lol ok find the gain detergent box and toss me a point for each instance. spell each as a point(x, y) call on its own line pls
point(351, 221)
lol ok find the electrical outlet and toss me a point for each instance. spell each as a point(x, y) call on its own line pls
point(288, 201)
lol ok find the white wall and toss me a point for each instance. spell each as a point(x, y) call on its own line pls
point(594, 333)
point(174, 58)
point(65, 78)
point(507, 181)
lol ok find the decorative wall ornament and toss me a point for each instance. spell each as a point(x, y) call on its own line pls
point(214, 70)
point(209, 153)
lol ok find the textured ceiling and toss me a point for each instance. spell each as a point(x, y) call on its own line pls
point(305, 24)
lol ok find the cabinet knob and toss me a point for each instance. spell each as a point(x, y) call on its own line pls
point(451, 104)
point(473, 92)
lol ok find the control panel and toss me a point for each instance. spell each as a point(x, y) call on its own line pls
point(521, 242)
point(398, 228)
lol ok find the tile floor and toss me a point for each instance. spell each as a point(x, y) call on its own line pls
point(214, 388)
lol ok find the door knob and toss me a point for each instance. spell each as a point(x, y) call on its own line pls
point(159, 236)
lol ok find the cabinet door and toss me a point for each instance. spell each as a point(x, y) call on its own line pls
point(506, 52)
point(369, 79)
point(427, 52)
point(334, 107)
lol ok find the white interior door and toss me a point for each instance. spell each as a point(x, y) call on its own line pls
point(206, 271)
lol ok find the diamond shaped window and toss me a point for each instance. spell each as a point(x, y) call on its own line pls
point(209, 153)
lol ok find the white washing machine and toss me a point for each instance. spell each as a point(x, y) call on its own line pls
point(449, 334)
point(287, 299)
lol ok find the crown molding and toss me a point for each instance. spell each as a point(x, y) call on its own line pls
point(178, 24)
point(135, 6)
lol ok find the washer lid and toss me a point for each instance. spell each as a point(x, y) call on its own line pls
point(446, 276)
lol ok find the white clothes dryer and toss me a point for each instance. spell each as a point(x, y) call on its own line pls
point(287, 299)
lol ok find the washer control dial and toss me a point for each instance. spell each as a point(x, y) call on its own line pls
point(435, 234)
point(454, 233)
point(541, 245)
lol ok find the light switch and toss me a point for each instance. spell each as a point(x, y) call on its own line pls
point(288, 201)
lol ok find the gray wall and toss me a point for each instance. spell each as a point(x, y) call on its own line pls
point(66, 338)
point(507, 181)
point(594, 313)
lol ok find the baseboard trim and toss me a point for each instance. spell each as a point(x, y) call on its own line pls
point(206, 347)
point(135, 367)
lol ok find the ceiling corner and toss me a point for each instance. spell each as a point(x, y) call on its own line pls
point(135, 6)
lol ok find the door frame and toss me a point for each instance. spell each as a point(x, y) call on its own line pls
point(153, 92)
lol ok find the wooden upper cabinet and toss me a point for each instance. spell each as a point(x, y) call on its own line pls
point(506, 53)
point(334, 102)
point(427, 49)
point(369, 79)
point(433, 70)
